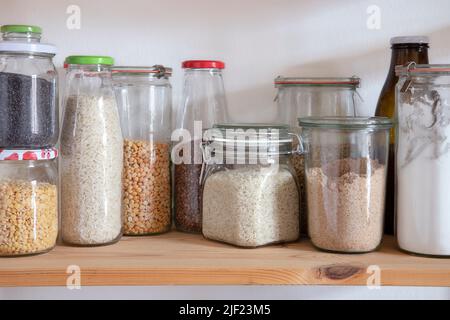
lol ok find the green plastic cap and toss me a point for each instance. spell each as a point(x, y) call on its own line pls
point(104, 60)
point(20, 28)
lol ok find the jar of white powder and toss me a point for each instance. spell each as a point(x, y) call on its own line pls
point(91, 155)
point(346, 167)
point(250, 192)
point(423, 159)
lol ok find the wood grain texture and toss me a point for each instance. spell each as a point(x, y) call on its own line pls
point(184, 259)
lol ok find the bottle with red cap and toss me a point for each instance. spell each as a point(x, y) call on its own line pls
point(203, 104)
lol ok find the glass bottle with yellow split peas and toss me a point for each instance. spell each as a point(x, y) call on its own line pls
point(144, 97)
point(28, 201)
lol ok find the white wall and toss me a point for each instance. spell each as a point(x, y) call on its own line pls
point(258, 39)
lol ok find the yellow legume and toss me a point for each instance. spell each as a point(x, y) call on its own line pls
point(146, 196)
point(28, 217)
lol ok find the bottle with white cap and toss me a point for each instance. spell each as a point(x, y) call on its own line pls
point(28, 89)
point(404, 50)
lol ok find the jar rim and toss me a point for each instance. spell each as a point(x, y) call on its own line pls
point(28, 47)
point(351, 123)
point(349, 82)
point(274, 139)
point(244, 126)
point(421, 69)
point(262, 132)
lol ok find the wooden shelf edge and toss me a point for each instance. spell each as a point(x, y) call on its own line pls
point(217, 276)
point(180, 259)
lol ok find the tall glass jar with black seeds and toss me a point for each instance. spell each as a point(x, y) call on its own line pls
point(28, 89)
point(203, 104)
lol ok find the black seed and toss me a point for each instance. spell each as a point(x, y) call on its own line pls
point(28, 117)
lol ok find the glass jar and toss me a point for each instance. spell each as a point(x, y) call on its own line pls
point(318, 97)
point(423, 159)
point(346, 167)
point(28, 201)
point(250, 192)
point(203, 104)
point(28, 89)
point(144, 97)
point(91, 155)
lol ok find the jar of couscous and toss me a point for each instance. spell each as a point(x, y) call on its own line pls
point(250, 192)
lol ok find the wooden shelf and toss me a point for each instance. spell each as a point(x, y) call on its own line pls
point(183, 259)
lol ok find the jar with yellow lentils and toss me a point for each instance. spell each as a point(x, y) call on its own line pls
point(28, 201)
point(144, 97)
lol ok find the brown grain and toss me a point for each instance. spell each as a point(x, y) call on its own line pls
point(188, 198)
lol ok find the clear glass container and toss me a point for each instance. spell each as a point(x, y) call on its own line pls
point(203, 104)
point(28, 201)
point(346, 161)
point(318, 97)
point(28, 89)
point(144, 97)
point(91, 155)
point(423, 159)
point(250, 192)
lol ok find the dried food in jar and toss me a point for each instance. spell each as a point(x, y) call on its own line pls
point(188, 198)
point(251, 207)
point(27, 111)
point(146, 187)
point(351, 191)
point(28, 217)
point(91, 171)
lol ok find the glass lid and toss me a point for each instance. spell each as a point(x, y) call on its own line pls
point(352, 123)
point(253, 132)
point(273, 138)
point(318, 81)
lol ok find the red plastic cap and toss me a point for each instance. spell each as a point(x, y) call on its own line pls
point(203, 64)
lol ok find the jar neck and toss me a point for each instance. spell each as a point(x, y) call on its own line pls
point(94, 68)
point(30, 37)
point(203, 71)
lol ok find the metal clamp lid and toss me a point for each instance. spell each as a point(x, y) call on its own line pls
point(158, 71)
point(414, 68)
point(352, 81)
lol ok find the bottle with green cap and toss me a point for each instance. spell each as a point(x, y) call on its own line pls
point(28, 89)
point(91, 154)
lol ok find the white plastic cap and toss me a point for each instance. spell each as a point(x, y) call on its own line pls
point(410, 39)
point(13, 46)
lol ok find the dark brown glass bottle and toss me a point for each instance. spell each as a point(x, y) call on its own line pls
point(404, 50)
